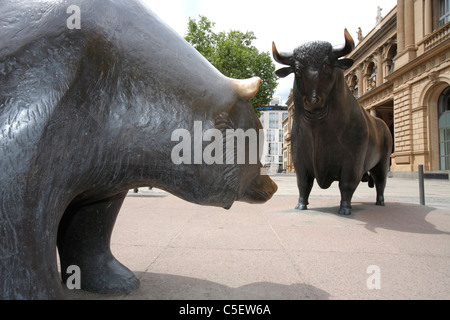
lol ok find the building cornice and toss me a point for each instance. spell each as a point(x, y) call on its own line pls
point(383, 92)
point(377, 35)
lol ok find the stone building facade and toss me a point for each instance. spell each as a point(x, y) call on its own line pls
point(402, 75)
point(287, 126)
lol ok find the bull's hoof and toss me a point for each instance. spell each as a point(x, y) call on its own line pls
point(112, 278)
point(380, 201)
point(345, 210)
point(301, 207)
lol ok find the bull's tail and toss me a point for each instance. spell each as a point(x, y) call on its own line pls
point(368, 178)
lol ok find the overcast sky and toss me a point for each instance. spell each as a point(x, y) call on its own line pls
point(287, 22)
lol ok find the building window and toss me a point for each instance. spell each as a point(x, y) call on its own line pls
point(284, 116)
point(444, 12)
point(270, 135)
point(273, 120)
point(391, 59)
point(444, 129)
point(355, 86)
point(273, 149)
point(371, 76)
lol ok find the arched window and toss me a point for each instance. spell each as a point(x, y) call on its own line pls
point(373, 73)
point(356, 86)
point(371, 76)
point(444, 129)
point(392, 53)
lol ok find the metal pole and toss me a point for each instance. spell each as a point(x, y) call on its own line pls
point(421, 186)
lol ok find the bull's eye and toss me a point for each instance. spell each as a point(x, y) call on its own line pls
point(327, 69)
point(299, 66)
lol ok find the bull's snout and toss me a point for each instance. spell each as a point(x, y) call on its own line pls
point(313, 102)
point(315, 106)
point(260, 190)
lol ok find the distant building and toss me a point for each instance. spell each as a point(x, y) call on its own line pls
point(272, 118)
point(276, 102)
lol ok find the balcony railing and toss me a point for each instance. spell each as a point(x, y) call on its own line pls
point(437, 37)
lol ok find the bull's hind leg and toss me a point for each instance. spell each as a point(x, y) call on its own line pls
point(84, 239)
point(379, 175)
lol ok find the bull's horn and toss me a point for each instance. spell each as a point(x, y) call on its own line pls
point(282, 58)
point(247, 89)
point(348, 47)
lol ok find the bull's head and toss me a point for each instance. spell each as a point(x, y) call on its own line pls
point(315, 65)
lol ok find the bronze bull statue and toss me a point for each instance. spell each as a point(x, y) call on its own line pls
point(333, 137)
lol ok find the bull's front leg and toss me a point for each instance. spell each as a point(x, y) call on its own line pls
point(305, 184)
point(347, 189)
point(84, 240)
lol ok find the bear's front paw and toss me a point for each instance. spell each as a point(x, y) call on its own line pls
point(110, 278)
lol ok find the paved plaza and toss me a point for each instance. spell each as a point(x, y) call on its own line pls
point(183, 251)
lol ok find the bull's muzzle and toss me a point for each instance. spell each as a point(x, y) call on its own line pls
point(313, 103)
point(260, 190)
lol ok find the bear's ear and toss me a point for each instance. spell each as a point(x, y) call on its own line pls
point(248, 88)
point(345, 64)
point(284, 72)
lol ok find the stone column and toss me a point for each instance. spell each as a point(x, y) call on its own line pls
point(409, 24)
point(380, 74)
point(400, 25)
point(428, 17)
point(359, 74)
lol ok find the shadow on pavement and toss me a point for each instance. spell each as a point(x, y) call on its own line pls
point(394, 216)
point(156, 286)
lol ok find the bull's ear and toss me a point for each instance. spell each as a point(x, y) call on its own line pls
point(345, 64)
point(284, 72)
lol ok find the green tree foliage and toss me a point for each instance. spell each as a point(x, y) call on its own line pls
point(232, 54)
